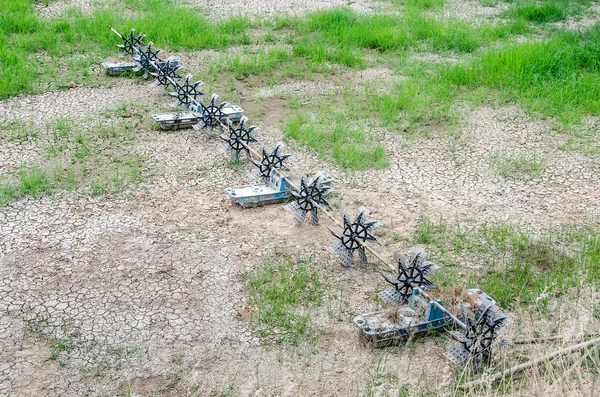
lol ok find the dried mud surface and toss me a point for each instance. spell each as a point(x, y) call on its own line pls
point(59, 7)
point(221, 8)
point(146, 287)
point(143, 291)
point(277, 7)
point(472, 10)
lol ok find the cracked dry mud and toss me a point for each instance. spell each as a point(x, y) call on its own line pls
point(135, 281)
point(221, 9)
point(145, 288)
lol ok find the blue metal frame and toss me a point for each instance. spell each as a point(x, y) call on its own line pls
point(430, 317)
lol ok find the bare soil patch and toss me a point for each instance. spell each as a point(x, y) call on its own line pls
point(142, 291)
point(145, 287)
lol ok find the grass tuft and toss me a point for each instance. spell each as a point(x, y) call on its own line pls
point(556, 77)
point(58, 346)
point(545, 11)
point(282, 297)
point(262, 62)
point(17, 131)
point(95, 158)
point(422, 4)
point(8, 192)
point(28, 39)
point(344, 29)
point(521, 166)
point(343, 37)
point(332, 138)
point(34, 181)
point(427, 232)
point(520, 267)
point(539, 13)
point(416, 101)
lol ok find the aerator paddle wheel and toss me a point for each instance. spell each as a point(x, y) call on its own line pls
point(410, 275)
point(147, 60)
point(187, 92)
point(475, 343)
point(211, 116)
point(166, 75)
point(132, 43)
point(354, 236)
point(269, 162)
point(309, 199)
point(238, 138)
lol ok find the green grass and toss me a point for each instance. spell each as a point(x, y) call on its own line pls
point(521, 166)
point(347, 31)
point(416, 104)
point(545, 11)
point(99, 176)
point(539, 13)
point(557, 77)
point(8, 193)
point(96, 160)
point(343, 28)
point(421, 4)
point(58, 346)
point(319, 53)
point(17, 131)
point(282, 296)
point(271, 65)
point(584, 140)
point(26, 39)
point(553, 77)
point(520, 266)
point(319, 40)
point(342, 37)
point(489, 3)
point(255, 64)
point(333, 137)
point(427, 232)
point(33, 181)
point(420, 100)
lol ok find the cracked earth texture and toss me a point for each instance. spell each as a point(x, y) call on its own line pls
point(220, 9)
point(125, 285)
point(144, 290)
